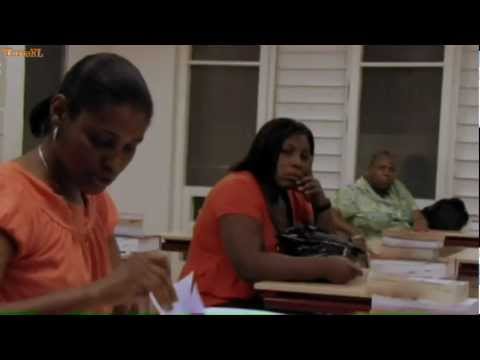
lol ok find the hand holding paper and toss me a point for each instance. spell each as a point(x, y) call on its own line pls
point(189, 301)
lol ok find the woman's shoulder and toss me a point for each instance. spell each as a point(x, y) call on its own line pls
point(240, 179)
point(16, 194)
point(20, 183)
point(238, 186)
point(8, 169)
point(13, 181)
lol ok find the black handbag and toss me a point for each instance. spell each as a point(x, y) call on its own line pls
point(446, 214)
point(308, 240)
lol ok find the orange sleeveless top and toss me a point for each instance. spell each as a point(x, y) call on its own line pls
point(237, 193)
point(59, 245)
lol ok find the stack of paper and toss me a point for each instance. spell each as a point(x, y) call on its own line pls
point(128, 245)
point(130, 225)
point(131, 237)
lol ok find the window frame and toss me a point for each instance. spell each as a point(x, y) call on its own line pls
point(12, 132)
point(451, 66)
point(182, 194)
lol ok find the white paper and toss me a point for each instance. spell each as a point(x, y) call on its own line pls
point(189, 301)
point(382, 303)
point(413, 268)
point(130, 224)
point(372, 276)
point(129, 244)
point(394, 242)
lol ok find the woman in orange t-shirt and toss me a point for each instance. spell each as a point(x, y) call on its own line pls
point(234, 242)
point(57, 250)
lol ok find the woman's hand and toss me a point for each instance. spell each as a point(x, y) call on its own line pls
point(137, 276)
point(340, 270)
point(419, 221)
point(313, 191)
point(420, 226)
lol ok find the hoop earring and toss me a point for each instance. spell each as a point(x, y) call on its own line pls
point(55, 133)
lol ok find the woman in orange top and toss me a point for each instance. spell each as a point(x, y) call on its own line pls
point(57, 250)
point(234, 242)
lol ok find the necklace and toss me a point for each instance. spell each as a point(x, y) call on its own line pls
point(41, 154)
point(42, 157)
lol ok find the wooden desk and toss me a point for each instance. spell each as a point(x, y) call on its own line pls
point(322, 298)
point(176, 242)
point(298, 297)
point(465, 258)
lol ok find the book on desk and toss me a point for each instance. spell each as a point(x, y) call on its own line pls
point(431, 239)
point(131, 236)
point(427, 245)
point(423, 270)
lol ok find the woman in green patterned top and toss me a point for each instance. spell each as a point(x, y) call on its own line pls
point(377, 201)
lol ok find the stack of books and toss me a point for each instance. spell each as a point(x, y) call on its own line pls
point(131, 237)
point(411, 245)
point(429, 287)
point(426, 245)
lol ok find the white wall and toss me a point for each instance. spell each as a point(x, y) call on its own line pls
point(76, 52)
point(145, 186)
point(311, 87)
point(3, 85)
point(465, 183)
point(11, 104)
point(12, 95)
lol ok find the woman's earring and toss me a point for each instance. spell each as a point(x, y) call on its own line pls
point(55, 133)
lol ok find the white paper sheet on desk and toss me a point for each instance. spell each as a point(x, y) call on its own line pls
point(382, 303)
point(189, 301)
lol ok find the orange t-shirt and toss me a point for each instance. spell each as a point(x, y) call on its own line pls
point(59, 245)
point(238, 193)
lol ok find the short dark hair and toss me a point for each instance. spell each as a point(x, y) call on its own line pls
point(380, 154)
point(262, 157)
point(93, 83)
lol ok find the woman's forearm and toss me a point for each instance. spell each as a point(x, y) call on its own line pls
point(325, 221)
point(342, 225)
point(419, 221)
point(266, 266)
point(61, 302)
